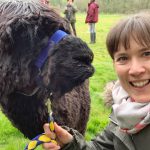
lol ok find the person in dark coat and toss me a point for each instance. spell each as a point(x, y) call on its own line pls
point(92, 18)
point(70, 14)
point(128, 44)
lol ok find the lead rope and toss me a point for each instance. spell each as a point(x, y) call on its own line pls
point(42, 138)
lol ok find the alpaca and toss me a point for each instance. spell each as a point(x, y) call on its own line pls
point(25, 29)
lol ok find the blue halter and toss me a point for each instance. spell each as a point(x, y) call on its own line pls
point(54, 39)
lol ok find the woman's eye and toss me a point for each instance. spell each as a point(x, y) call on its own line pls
point(121, 59)
point(146, 53)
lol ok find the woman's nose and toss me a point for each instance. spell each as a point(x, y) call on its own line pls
point(136, 67)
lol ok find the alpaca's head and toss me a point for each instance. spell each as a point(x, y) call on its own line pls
point(69, 65)
point(25, 27)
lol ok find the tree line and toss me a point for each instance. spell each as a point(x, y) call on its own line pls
point(109, 6)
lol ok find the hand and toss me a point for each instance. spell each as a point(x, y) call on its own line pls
point(62, 137)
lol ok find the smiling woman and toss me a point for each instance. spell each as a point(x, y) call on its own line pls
point(132, 67)
point(129, 127)
point(131, 56)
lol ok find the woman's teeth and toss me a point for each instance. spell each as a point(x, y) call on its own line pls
point(140, 84)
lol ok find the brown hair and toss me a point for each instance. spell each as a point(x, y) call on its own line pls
point(136, 26)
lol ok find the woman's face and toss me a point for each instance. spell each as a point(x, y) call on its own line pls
point(133, 69)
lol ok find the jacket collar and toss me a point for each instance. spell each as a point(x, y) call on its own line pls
point(124, 137)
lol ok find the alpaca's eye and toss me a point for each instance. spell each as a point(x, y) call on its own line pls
point(86, 59)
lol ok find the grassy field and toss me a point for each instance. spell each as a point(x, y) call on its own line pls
point(12, 139)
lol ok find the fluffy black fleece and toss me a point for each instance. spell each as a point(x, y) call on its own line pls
point(25, 27)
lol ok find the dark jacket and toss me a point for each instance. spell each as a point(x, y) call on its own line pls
point(111, 139)
point(92, 13)
point(70, 13)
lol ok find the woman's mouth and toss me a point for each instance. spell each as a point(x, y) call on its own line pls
point(140, 84)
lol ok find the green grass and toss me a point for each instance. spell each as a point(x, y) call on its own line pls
point(104, 71)
point(12, 139)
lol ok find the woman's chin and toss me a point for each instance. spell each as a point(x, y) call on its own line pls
point(141, 99)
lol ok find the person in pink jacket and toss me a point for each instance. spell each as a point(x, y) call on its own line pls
point(92, 18)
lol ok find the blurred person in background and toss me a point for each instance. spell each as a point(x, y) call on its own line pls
point(70, 14)
point(92, 18)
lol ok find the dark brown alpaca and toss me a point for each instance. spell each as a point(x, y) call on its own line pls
point(25, 28)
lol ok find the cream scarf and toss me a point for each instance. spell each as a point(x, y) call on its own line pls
point(131, 116)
